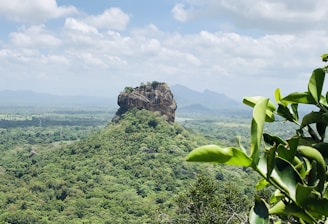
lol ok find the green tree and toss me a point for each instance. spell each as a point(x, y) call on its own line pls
point(201, 202)
point(210, 201)
point(295, 167)
point(128, 89)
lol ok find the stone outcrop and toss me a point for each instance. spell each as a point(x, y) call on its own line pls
point(155, 96)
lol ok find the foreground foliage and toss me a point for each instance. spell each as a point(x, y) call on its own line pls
point(295, 167)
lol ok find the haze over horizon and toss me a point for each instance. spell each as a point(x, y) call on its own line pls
point(70, 47)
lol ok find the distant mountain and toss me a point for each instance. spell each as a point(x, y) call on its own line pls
point(206, 101)
point(30, 98)
point(188, 100)
point(198, 108)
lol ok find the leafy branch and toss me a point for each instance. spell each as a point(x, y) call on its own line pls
point(295, 167)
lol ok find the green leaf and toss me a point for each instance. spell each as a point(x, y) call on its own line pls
point(252, 101)
point(322, 147)
point(294, 107)
point(284, 112)
point(310, 118)
point(323, 101)
point(318, 206)
point(302, 194)
point(276, 196)
point(300, 166)
point(216, 154)
point(238, 140)
point(273, 140)
point(324, 57)
point(314, 155)
point(270, 156)
point(259, 213)
point(284, 175)
point(257, 126)
point(277, 95)
point(284, 208)
point(261, 184)
point(321, 129)
point(288, 152)
point(290, 114)
point(285, 153)
point(308, 141)
point(316, 83)
point(270, 107)
point(295, 98)
point(313, 174)
point(313, 134)
point(284, 103)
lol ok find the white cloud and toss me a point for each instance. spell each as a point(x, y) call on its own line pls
point(34, 36)
point(90, 60)
point(179, 12)
point(280, 15)
point(13, 56)
point(151, 46)
point(113, 18)
point(76, 25)
point(57, 59)
point(33, 11)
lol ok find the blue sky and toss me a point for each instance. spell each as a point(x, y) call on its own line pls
point(239, 48)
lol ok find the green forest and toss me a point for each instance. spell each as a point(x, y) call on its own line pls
point(64, 166)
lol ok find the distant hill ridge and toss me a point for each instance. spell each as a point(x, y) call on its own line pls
point(30, 98)
point(208, 100)
point(188, 100)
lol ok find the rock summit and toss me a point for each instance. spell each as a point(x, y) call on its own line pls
point(155, 96)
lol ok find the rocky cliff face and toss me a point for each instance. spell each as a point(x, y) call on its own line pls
point(154, 96)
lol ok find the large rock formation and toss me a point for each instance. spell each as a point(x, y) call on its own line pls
point(155, 96)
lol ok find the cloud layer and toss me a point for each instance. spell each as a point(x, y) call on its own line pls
point(280, 15)
point(34, 11)
point(261, 47)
